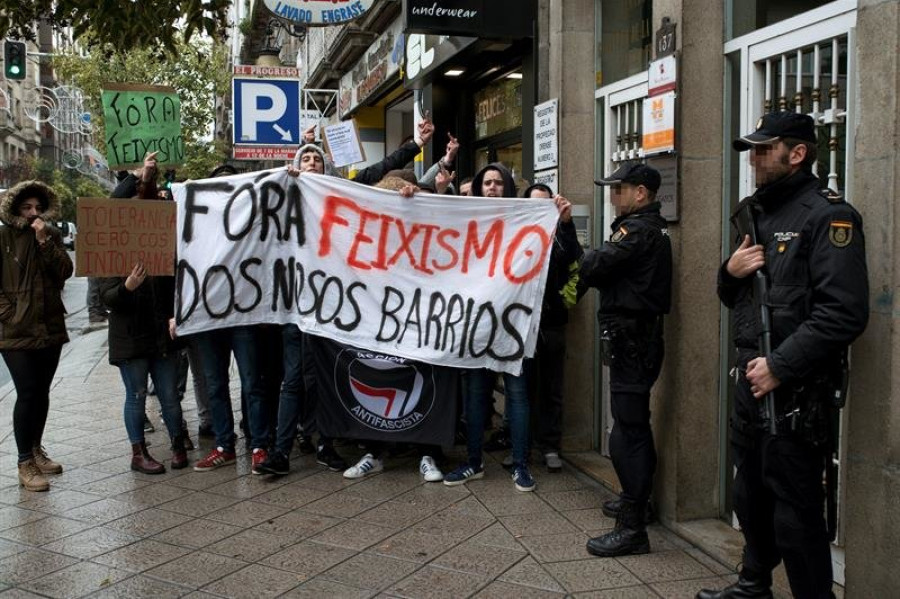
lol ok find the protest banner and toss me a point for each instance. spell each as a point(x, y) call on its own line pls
point(448, 281)
point(114, 235)
point(368, 395)
point(141, 119)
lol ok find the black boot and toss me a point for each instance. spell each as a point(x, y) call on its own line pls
point(748, 586)
point(179, 453)
point(611, 509)
point(629, 537)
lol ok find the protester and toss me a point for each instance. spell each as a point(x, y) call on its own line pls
point(495, 181)
point(550, 354)
point(633, 272)
point(810, 244)
point(35, 266)
point(373, 461)
point(141, 340)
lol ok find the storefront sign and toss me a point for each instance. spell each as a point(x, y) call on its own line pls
point(425, 54)
point(255, 70)
point(498, 108)
point(659, 124)
point(114, 235)
point(319, 12)
point(546, 134)
point(662, 76)
point(378, 65)
point(492, 19)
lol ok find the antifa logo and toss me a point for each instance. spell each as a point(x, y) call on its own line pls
point(382, 392)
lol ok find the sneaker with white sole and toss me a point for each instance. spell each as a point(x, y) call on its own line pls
point(430, 472)
point(366, 466)
point(522, 478)
point(464, 474)
point(553, 461)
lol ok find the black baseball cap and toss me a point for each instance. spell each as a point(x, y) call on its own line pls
point(775, 125)
point(634, 173)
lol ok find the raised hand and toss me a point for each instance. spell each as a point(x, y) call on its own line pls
point(137, 277)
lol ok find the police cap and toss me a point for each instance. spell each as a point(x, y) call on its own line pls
point(776, 125)
point(634, 173)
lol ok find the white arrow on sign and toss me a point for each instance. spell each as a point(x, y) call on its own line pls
point(285, 135)
point(251, 93)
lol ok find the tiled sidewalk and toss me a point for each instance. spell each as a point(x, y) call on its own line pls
point(105, 531)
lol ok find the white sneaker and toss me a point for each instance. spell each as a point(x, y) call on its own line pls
point(430, 472)
point(366, 466)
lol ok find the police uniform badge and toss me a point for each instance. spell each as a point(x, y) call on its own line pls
point(840, 233)
point(619, 235)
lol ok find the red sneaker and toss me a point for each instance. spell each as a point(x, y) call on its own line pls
point(217, 457)
point(259, 456)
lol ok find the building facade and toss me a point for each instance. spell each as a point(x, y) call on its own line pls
point(734, 60)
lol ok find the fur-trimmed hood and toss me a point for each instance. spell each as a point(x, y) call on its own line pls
point(329, 166)
point(22, 191)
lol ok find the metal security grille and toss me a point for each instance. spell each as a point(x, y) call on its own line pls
point(814, 80)
point(629, 133)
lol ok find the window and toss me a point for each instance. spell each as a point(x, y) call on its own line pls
point(624, 37)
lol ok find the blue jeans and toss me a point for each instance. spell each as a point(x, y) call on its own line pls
point(215, 349)
point(292, 389)
point(164, 372)
point(479, 393)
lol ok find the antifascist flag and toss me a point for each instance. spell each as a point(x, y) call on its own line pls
point(362, 394)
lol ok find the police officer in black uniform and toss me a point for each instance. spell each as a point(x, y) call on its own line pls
point(633, 271)
point(812, 253)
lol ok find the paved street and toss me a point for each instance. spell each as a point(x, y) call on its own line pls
point(105, 531)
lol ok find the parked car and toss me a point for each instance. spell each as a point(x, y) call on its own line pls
point(68, 231)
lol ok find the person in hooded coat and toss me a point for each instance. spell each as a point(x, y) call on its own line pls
point(33, 269)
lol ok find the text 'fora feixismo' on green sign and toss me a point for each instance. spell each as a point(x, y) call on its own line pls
point(142, 119)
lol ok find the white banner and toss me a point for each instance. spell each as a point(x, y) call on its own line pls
point(447, 280)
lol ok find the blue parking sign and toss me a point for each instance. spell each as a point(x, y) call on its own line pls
point(266, 111)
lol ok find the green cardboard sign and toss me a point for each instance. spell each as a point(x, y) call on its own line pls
point(141, 119)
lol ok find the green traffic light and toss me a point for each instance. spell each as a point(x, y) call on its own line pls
point(14, 69)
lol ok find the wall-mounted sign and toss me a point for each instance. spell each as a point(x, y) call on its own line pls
point(662, 76)
point(378, 65)
point(546, 135)
point(667, 195)
point(319, 12)
point(492, 19)
point(550, 178)
point(266, 118)
point(659, 124)
point(665, 38)
point(425, 54)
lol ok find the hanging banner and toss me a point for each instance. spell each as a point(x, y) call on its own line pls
point(318, 12)
point(141, 119)
point(368, 395)
point(422, 278)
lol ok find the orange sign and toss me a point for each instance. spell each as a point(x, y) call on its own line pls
point(659, 124)
point(114, 235)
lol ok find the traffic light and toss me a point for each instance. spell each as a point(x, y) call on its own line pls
point(14, 59)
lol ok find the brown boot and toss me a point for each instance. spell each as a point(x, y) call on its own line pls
point(43, 462)
point(142, 461)
point(179, 453)
point(31, 478)
point(188, 444)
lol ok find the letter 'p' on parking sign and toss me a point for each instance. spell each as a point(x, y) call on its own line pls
point(262, 103)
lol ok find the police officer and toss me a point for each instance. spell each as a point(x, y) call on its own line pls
point(633, 271)
point(811, 247)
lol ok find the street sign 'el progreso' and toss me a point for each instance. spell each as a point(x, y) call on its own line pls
point(319, 12)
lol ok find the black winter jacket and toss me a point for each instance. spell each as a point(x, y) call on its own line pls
point(818, 283)
point(633, 270)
